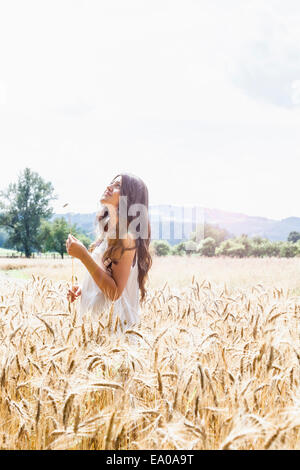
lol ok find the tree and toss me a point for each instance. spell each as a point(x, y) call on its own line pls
point(288, 250)
point(258, 246)
point(45, 236)
point(190, 247)
point(84, 239)
point(24, 204)
point(210, 231)
point(178, 249)
point(271, 248)
point(293, 237)
point(60, 231)
point(231, 247)
point(207, 247)
point(161, 248)
point(53, 235)
point(3, 237)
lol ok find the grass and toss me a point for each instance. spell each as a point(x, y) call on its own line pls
point(179, 271)
point(18, 274)
point(213, 364)
point(8, 252)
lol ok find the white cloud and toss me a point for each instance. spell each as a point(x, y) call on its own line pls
point(265, 59)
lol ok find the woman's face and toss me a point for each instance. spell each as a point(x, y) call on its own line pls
point(112, 193)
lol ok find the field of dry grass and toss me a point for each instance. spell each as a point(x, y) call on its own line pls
point(178, 271)
point(213, 364)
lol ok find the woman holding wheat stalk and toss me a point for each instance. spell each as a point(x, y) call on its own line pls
point(119, 260)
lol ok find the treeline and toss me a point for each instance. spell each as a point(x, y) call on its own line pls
point(25, 213)
point(217, 244)
point(25, 226)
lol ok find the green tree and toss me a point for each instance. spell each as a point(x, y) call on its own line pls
point(161, 247)
point(246, 242)
point(293, 237)
point(84, 239)
point(262, 247)
point(289, 250)
point(3, 237)
point(232, 248)
point(258, 247)
point(53, 235)
point(271, 248)
point(298, 247)
point(23, 205)
point(45, 236)
point(190, 247)
point(178, 249)
point(210, 231)
point(207, 247)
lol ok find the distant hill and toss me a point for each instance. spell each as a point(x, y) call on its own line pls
point(181, 227)
point(235, 223)
point(86, 222)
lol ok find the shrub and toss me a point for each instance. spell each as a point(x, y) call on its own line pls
point(207, 247)
point(161, 248)
point(289, 250)
point(231, 248)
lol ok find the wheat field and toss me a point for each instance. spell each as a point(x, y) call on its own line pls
point(213, 364)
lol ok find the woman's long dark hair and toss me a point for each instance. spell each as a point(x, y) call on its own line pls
point(136, 192)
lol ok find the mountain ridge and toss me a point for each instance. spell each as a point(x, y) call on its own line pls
point(236, 223)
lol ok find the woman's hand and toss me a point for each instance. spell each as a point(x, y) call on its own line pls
point(74, 247)
point(73, 293)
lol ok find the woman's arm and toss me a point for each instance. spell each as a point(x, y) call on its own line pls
point(104, 281)
point(111, 286)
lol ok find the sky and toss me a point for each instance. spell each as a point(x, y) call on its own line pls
point(200, 98)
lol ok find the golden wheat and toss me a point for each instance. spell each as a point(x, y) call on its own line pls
point(211, 365)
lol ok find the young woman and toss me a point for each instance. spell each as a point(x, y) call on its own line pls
point(119, 260)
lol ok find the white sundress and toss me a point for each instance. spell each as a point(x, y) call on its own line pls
point(93, 300)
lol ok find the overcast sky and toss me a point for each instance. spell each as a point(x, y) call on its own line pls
point(200, 98)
